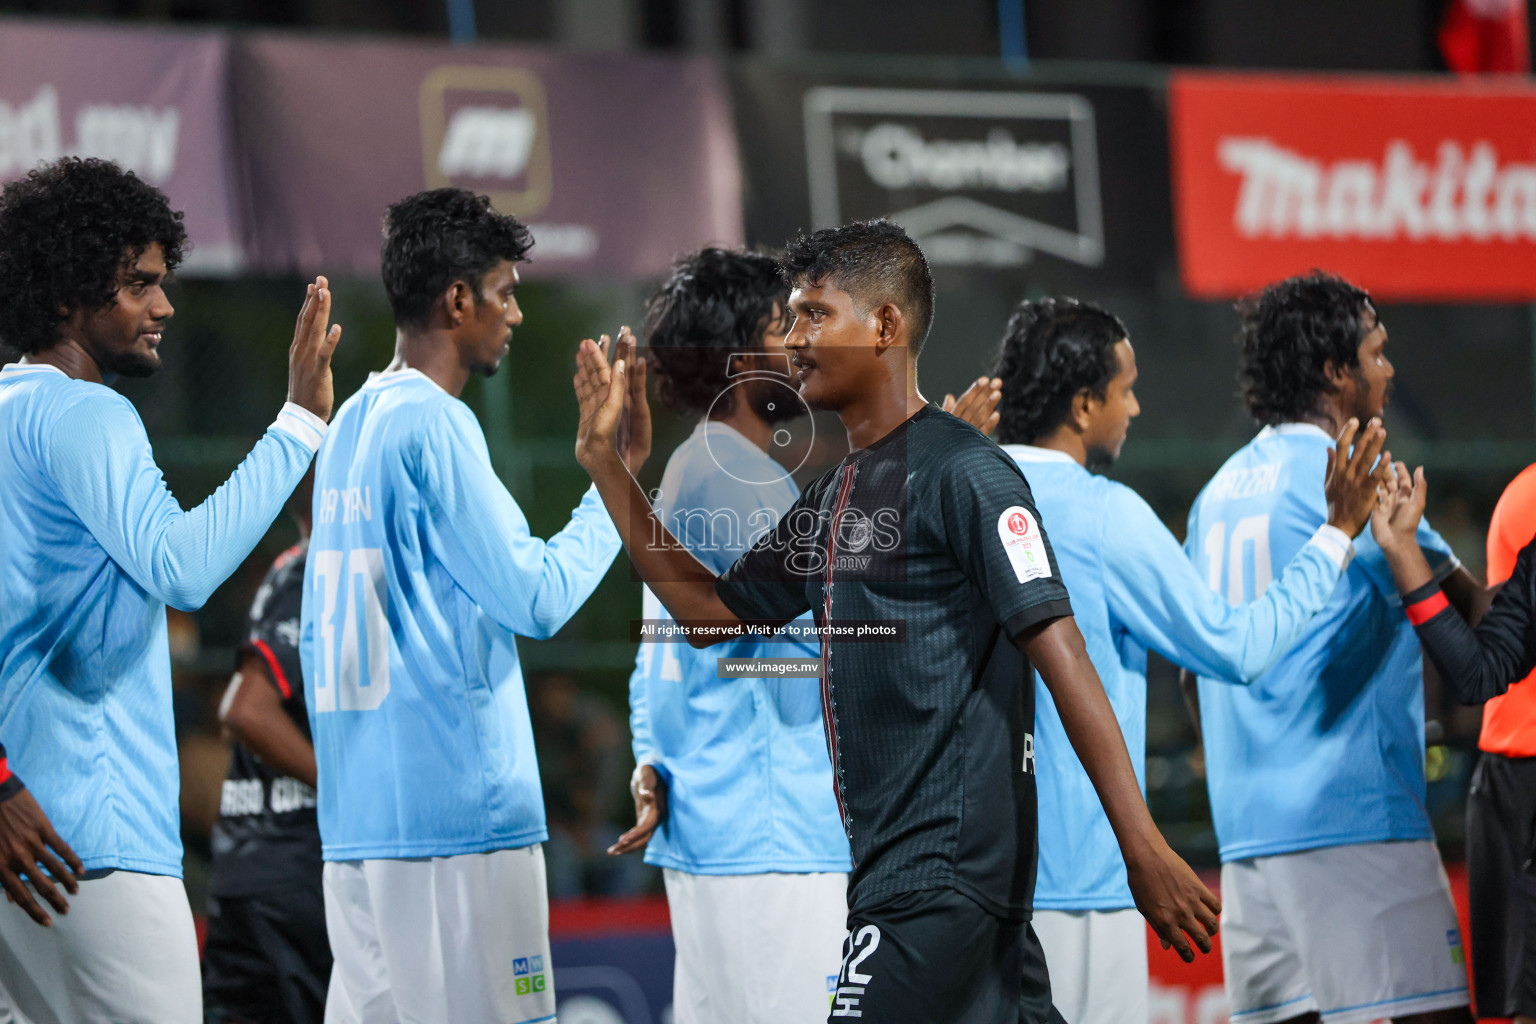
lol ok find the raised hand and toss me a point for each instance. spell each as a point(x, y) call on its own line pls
point(650, 793)
point(1173, 900)
point(1353, 476)
point(27, 840)
point(634, 438)
point(309, 357)
point(600, 393)
point(1395, 522)
point(978, 405)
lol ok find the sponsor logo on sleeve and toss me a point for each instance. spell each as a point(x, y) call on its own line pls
point(1025, 546)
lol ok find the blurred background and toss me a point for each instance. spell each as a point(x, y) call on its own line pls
point(1159, 157)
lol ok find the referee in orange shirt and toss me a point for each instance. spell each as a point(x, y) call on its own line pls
point(1493, 665)
point(1501, 808)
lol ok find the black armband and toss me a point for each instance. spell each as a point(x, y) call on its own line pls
point(10, 785)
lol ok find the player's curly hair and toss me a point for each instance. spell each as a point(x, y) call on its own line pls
point(875, 262)
point(1290, 332)
point(1052, 349)
point(715, 302)
point(66, 229)
point(440, 236)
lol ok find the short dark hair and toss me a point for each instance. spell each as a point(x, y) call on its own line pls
point(66, 229)
point(716, 301)
point(440, 236)
point(874, 261)
point(1290, 331)
point(1051, 350)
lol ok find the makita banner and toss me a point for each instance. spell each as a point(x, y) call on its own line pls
point(151, 100)
point(1412, 189)
point(616, 163)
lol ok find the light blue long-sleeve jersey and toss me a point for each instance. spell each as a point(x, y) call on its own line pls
point(93, 549)
point(1133, 590)
point(749, 777)
point(421, 572)
point(1327, 747)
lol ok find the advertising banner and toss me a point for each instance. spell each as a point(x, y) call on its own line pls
point(1414, 189)
point(151, 100)
point(1064, 180)
point(616, 163)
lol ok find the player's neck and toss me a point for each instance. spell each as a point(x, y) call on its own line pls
point(70, 357)
point(1065, 439)
point(432, 354)
point(885, 405)
point(1328, 417)
point(747, 423)
point(869, 421)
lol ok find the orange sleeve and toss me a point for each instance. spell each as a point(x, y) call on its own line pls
point(1513, 525)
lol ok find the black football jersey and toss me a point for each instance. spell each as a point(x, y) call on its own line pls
point(921, 557)
point(267, 834)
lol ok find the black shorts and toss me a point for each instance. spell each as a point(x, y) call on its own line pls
point(936, 956)
point(266, 959)
point(1501, 884)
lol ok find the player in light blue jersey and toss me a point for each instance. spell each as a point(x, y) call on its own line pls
point(1068, 373)
point(421, 574)
point(94, 549)
point(733, 784)
point(1335, 902)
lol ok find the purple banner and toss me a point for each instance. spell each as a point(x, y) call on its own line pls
point(152, 100)
point(617, 163)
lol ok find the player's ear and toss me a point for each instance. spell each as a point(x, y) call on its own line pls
point(891, 324)
point(458, 302)
point(1335, 374)
point(1083, 407)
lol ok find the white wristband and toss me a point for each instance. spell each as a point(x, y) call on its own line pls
point(299, 422)
point(1336, 544)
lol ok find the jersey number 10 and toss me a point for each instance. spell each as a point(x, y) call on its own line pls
point(341, 686)
point(1250, 530)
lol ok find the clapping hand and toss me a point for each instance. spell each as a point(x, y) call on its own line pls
point(978, 405)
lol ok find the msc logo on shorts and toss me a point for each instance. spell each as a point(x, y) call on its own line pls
point(529, 973)
point(1453, 939)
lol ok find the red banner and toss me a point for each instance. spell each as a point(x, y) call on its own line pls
point(1414, 189)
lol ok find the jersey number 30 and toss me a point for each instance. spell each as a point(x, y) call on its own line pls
point(1250, 530)
point(357, 577)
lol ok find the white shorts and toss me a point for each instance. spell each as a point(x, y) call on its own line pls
point(1098, 964)
point(440, 940)
point(126, 952)
point(1356, 933)
point(756, 949)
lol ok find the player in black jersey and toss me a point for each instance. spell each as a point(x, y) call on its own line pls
point(267, 959)
point(928, 528)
